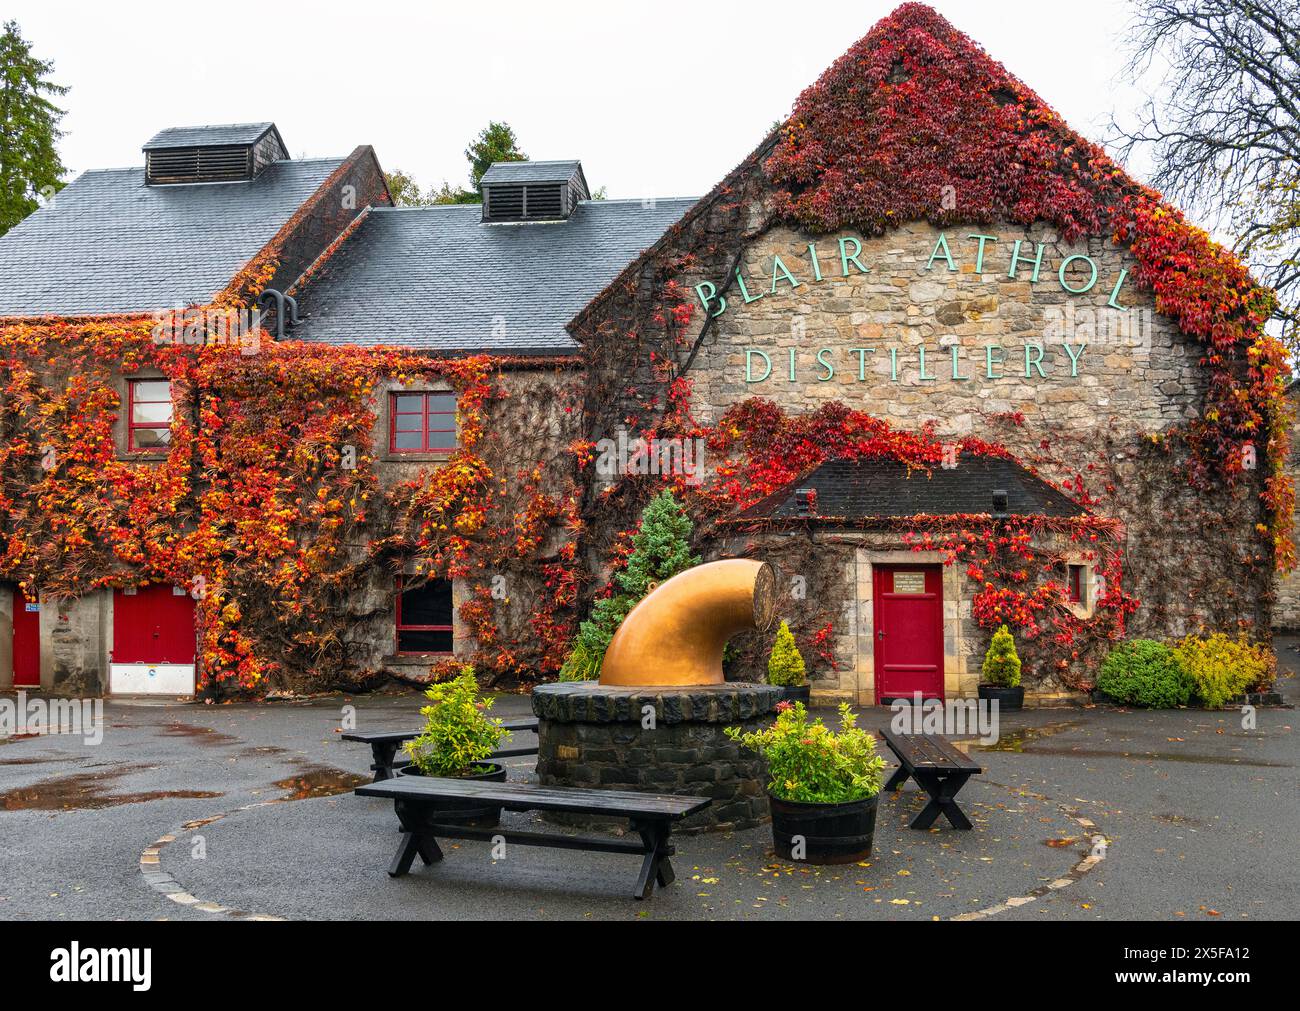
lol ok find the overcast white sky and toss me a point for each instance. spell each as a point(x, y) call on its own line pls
point(657, 99)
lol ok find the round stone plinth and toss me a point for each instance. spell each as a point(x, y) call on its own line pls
point(658, 740)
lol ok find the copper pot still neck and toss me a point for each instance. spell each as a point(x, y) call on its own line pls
point(676, 635)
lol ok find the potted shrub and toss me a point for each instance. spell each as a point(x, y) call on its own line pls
point(1144, 672)
point(786, 669)
point(1001, 682)
point(823, 786)
point(458, 735)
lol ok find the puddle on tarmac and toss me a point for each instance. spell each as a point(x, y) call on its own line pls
point(1025, 741)
point(203, 735)
point(1015, 740)
point(268, 749)
point(87, 791)
point(1155, 756)
point(312, 781)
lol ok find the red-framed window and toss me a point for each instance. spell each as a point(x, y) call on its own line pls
point(148, 415)
point(1077, 581)
point(422, 423)
point(424, 617)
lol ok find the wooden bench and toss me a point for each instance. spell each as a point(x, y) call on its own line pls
point(938, 768)
point(384, 745)
point(652, 817)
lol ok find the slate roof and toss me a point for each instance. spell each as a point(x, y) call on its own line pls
point(865, 489)
point(205, 136)
point(110, 244)
point(530, 172)
point(438, 279)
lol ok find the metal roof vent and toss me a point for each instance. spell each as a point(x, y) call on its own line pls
point(212, 154)
point(533, 190)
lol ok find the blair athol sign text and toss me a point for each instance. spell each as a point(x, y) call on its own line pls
point(1077, 275)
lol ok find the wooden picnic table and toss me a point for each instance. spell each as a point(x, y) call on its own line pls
point(938, 768)
point(385, 743)
point(652, 817)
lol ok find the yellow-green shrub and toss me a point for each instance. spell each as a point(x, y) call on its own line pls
point(785, 666)
point(1221, 668)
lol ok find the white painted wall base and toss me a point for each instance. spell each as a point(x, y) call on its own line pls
point(151, 679)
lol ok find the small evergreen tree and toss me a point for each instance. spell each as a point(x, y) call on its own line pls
point(30, 166)
point(495, 142)
point(1001, 663)
point(661, 548)
point(785, 666)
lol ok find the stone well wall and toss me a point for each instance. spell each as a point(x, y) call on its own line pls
point(658, 740)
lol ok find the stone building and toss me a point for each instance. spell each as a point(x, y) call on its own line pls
point(1286, 611)
point(921, 368)
point(924, 244)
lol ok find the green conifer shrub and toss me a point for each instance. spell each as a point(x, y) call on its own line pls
point(785, 666)
point(1001, 662)
point(661, 548)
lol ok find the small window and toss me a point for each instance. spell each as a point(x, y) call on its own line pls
point(422, 423)
point(1077, 581)
point(149, 415)
point(424, 617)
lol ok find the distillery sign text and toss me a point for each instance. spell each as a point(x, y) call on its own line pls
point(1076, 275)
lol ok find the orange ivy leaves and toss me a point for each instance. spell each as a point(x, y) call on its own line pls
point(268, 506)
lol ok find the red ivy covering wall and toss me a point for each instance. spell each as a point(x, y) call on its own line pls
point(268, 505)
point(916, 107)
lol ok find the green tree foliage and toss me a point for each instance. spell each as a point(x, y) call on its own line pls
point(1001, 662)
point(785, 666)
point(661, 548)
point(404, 190)
point(1144, 672)
point(495, 142)
point(448, 194)
point(30, 167)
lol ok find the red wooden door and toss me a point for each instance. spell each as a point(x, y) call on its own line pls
point(908, 610)
point(153, 625)
point(27, 641)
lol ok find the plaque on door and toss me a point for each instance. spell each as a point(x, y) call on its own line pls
point(909, 582)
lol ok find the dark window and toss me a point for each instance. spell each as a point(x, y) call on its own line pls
point(424, 617)
point(422, 423)
point(149, 415)
point(1077, 582)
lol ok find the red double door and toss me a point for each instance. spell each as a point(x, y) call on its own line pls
point(27, 641)
point(153, 625)
point(908, 625)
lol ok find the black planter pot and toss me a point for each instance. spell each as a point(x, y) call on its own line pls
point(435, 810)
point(1009, 700)
point(832, 833)
point(796, 693)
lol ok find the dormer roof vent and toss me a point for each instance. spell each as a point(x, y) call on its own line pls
point(533, 190)
point(212, 154)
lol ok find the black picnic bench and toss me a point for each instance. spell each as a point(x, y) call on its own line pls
point(384, 745)
point(938, 768)
point(651, 815)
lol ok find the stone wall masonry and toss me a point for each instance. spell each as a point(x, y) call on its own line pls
point(1286, 612)
point(527, 426)
point(1147, 380)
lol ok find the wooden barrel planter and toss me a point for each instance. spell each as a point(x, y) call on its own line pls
point(1009, 700)
point(438, 811)
point(831, 833)
point(796, 693)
